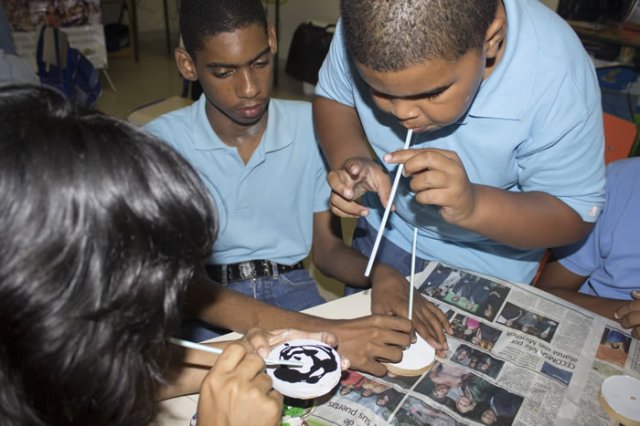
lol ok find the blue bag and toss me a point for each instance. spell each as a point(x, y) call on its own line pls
point(78, 80)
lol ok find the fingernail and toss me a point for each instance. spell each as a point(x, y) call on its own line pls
point(616, 315)
point(635, 293)
point(364, 213)
point(263, 353)
point(388, 157)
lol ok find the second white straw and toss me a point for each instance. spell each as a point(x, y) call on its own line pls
point(413, 272)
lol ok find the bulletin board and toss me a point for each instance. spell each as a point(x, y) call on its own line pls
point(81, 20)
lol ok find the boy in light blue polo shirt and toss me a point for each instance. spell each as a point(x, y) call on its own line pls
point(260, 160)
point(257, 155)
point(602, 272)
point(507, 153)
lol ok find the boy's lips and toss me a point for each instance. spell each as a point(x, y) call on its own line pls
point(251, 111)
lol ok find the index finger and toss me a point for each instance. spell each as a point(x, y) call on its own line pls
point(419, 160)
point(395, 323)
point(431, 327)
point(344, 208)
point(627, 308)
point(341, 183)
point(236, 354)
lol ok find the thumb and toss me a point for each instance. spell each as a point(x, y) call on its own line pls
point(383, 187)
point(353, 167)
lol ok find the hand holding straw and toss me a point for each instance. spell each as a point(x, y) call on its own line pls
point(387, 210)
point(218, 351)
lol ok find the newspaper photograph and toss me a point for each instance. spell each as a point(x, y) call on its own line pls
point(517, 355)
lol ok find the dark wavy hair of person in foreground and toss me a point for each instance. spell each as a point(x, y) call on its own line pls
point(101, 228)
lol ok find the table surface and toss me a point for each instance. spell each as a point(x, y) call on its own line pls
point(178, 411)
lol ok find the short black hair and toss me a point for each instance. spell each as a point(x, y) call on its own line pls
point(201, 19)
point(101, 229)
point(386, 35)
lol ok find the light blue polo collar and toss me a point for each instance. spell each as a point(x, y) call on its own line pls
point(278, 133)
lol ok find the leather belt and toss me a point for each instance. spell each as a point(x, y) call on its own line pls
point(251, 269)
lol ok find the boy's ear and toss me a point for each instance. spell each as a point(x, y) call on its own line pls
point(496, 34)
point(273, 40)
point(186, 65)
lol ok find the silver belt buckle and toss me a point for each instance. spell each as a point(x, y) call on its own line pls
point(247, 270)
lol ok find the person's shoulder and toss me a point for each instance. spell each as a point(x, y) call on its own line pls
point(175, 117)
point(291, 106)
point(174, 123)
point(295, 113)
point(553, 33)
point(625, 170)
point(560, 51)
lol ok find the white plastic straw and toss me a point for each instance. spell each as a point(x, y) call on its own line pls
point(413, 271)
point(387, 210)
point(218, 351)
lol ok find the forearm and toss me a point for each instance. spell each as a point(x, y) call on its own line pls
point(598, 305)
point(525, 219)
point(344, 264)
point(339, 132)
point(228, 309)
point(560, 281)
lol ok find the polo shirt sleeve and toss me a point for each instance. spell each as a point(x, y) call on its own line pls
point(587, 256)
point(323, 191)
point(334, 79)
point(564, 155)
point(582, 258)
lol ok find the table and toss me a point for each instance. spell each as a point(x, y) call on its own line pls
point(539, 358)
point(178, 411)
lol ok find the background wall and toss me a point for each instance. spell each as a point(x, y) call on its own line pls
point(292, 13)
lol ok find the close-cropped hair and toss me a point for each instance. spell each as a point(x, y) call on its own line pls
point(393, 35)
point(201, 19)
point(101, 229)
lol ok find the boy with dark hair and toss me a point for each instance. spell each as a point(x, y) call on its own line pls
point(507, 152)
point(260, 161)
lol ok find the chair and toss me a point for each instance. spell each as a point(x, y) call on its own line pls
point(619, 137)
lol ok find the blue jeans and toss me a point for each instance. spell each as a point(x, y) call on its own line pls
point(364, 238)
point(293, 290)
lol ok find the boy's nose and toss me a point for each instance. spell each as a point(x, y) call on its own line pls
point(247, 85)
point(404, 110)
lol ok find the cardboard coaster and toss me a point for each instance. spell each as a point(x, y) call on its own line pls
point(318, 376)
point(620, 399)
point(416, 359)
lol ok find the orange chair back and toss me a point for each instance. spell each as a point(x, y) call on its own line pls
point(619, 136)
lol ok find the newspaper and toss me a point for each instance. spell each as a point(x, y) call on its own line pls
point(517, 356)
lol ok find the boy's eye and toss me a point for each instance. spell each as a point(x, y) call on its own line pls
point(261, 63)
point(222, 74)
point(432, 95)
